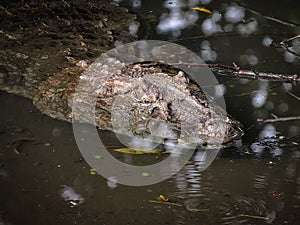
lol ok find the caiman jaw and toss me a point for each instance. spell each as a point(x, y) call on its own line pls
point(234, 130)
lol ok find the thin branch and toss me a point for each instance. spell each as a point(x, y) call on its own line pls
point(226, 34)
point(292, 52)
point(273, 18)
point(259, 75)
point(286, 46)
point(237, 72)
point(255, 91)
point(278, 119)
point(295, 96)
point(268, 17)
point(290, 39)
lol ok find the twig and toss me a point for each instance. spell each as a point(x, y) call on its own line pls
point(236, 71)
point(295, 96)
point(292, 52)
point(255, 91)
point(226, 34)
point(198, 210)
point(267, 17)
point(262, 75)
point(255, 217)
point(17, 144)
point(285, 45)
point(166, 203)
point(176, 204)
point(278, 119)
point(290, 39)
point(273, 18)
point(275, 119)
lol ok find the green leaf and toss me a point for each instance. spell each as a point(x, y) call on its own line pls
point(145, 174)
point(93, 171)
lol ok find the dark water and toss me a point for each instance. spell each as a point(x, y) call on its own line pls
point(255, 182)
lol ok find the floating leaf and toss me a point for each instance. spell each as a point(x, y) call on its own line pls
point(145, 174)
point(202, 10)
point(143, 151)
point(17, 144)
point(93, 171)
point(137, 151)
point(98, 157)
point(281, 137)
point(163, 198)
point(47, 145)
point(130, 151)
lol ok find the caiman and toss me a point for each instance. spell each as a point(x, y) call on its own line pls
point(45, 59)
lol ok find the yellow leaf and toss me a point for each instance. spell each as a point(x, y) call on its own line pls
point(202, 10)
point(163, 198)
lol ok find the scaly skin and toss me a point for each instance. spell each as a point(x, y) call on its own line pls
point(140, 100)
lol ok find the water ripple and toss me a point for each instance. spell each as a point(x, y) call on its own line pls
point(260, 181)
point(188, 182)
point(237, 209)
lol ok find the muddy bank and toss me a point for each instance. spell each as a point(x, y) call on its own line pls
point(42, 39)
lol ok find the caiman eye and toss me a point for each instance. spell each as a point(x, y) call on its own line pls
point(234, 132)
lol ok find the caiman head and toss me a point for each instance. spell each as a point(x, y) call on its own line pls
point(146, 101)
point(234, 130)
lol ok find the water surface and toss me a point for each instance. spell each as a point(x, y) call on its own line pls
point(255, 182)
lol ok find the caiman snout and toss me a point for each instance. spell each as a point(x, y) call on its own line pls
point(234, 130)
